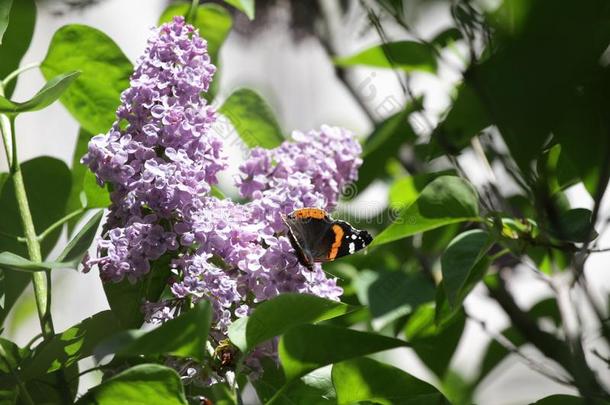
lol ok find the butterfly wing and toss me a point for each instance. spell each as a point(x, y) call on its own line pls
point(308, 231)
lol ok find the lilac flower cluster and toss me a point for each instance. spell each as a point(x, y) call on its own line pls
point(161, 159)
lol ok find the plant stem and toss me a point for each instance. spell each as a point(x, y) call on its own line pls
point(19, 71)
point(41, 280)
point(59, 223)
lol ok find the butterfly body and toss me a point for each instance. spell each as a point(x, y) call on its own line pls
point(317, 238)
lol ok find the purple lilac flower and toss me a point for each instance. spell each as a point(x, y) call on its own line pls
point(161, 159)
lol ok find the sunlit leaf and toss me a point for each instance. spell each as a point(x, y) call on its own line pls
point(94, 96)
point(406, 55)
point(444, 201)
point(246, 6)
point(139, 385)
point(272, 318)
point(464, 263)
point(184, 336)
point(253, 119)
point(50, 92)
point(307, 347)
point(71, 345)
point(366, 379)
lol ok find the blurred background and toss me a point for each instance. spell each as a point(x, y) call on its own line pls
point(284, 55)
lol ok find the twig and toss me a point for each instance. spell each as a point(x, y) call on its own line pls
point(509, 346)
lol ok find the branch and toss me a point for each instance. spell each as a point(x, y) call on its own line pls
point(545, 342)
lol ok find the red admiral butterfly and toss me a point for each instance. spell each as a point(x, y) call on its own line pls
point(316, 237)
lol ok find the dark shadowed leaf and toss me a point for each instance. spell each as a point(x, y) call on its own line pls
point(465, 119)
point(574, 225)
point(390, 295)
point(71, 345)
point(366, 379)
point(50, 92)
point(406, 55)
point(523, 88)
point(126, 299)
point(272, 318)
point(434, 344)
point(16, 40)
point(184, 336)
point(94, 96)
point(314, 389)
point(139, 385)
point(383, 144)
point(444, 201)
point(77, 247)
point(446, 37)
point(464, 263)
point(253, 119)
point(305, 348)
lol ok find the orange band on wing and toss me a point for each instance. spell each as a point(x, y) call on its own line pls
point(310, 213)
point(334, 249)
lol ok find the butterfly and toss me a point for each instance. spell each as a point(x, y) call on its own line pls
point(317, 238)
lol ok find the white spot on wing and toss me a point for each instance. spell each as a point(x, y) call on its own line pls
point(352, 248)
point(354, 236)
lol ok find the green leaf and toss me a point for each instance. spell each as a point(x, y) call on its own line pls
point(434, 344)
point(466, 117)
point(574, 225)
point(245, 6)
point(390, 295)
point(11, 261)
point(464, 264)
point(45, 96)
point(96, 196)
point(312, 389)
point(365, 379)
point(444, 201)
point(184, 336)
point(47, 181)
point(17, 37)
point(70, 346)
point(77, 247)
point(305, 348)
point(535, 93)
point(405, 55)
point(213, 22)
point(253, 119)
point(405, 190)
point(126, 299)
point(383, 144)
point(446, 37)
point(140, 385)
point(274, 317)
point(5, 10)
point(582, 132)
point(105, 70)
